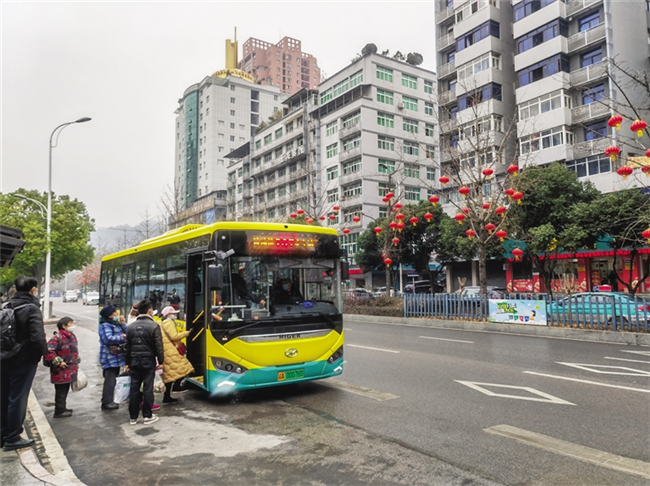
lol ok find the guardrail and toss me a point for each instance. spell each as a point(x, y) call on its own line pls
point(604, 312)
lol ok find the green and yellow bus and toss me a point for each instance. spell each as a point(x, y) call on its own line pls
point(262, 301)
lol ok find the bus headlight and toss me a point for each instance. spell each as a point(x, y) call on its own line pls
point(338, 354)
point(227, 366)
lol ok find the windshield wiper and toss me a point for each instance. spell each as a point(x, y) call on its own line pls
point(233, 331)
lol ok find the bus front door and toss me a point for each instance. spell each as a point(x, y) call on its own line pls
point(195, 320)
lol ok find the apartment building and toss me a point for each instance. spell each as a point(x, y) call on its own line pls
point(283, 65)
point(543, 63)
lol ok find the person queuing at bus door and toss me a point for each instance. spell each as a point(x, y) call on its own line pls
point(63, 359)
point(174, 299)
point(144, 346)
point(242, 294)
point(19, 368)
point(175, 366)
point(133, 314)
point(285, 293)
point(112, 335)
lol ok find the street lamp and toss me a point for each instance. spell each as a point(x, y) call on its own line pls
point(48, 259)
point(41, 206)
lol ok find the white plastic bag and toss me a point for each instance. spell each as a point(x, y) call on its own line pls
point(158, 385)
point(122, 389)
point(81, 383)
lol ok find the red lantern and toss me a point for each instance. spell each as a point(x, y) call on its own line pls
point(301, 212)
point(388, 261)
point(615, 121)
point(518, 196)
point(612, 152)
point(518, 253)
point(414, 221)
point(624, 171)
point(487, 172)
point(486, 206)
point(501, 235)
point(490, 227)
point(464, 191)
point(309, 220)
point(444, 180)
point(513, 169)
point(501, 210)
point(459, 217)
point(322, 218)
point(385, 199)
point(638, 126)
point(470, 234)
point(346, 231)
point(377, 230)
point(400, 226)
point(646, 170)
point(336, 209)
point(399, 216)
point(397, 206)
point(509, 192)
point(434, 200)
point(393, 225)
point(356, 219)
point(646, 235)
point(466, 210)
point(428, 217)
point(332, 217)
point(395, 241)
point(293, 215)
point(390, 195)
point(647, 153)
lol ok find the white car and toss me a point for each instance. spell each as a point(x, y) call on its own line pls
point(91, 298)
point(70, 296)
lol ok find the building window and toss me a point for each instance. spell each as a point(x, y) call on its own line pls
point(383, 189)
point(232, 138)
point(385, 74)
point(431, 174)
point(596, 164)
point(356, 78)
point(385, 143)
point(351, 120)
point(278, 133)
point(258, 144)
point(331, 128)
point(595, 131)
point(483, 31)
point(545, 139)
point(409, 81)
point(591, 57)
point(268, 139)
point(333, 195)
point(385, 120)
point(428, 130)
point(232, 112)
point(332, 173)
point(385, 166)
point(410, 104)
point(268, 157)
point(385, 96)
point(332, 150)
point(410, 148)
point(544, 104)
point(487, 92)
point(411, 170)
point(409, 125)
point(543, 69)
point(411, 193)
point(325, 96)
point(428, 87)
point(527, 7)
point(232, 100)
point(428, 108)
point(351, 143)
point(341, 87)
point(589, 21)
point(352, 190)
point(270, 195)
point(232, 87)
point(593, 94)
point(542, 34)
point(352, 167)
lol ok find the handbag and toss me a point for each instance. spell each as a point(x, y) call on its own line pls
point(116, 349)
point(81, 383)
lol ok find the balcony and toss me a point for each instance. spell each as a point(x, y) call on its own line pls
point(349, 131)
point(444, 14)
point(291, 155)
point(588, 74)
point(582, 39)
point(581, 114)
point(446, 69)
point(585, 149)
point(447, 97)
point(445, 41)
point(350, 154)
point(575, 6)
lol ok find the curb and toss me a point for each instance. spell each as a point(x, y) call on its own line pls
point(619, 337)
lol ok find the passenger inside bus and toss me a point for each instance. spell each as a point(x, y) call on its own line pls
point(286, 292)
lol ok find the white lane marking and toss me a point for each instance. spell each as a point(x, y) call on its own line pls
point(644, 353)
point(374, 349)
point(576, 451)
point(587, 382)
point(546, 397)
point(360, 390)
point(443, 339)
point(630, 360)
point(594, 369)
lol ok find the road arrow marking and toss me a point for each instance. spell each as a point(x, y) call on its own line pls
point(541, 396)
point(576, 451)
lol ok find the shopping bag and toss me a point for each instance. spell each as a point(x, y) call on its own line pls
point(81, 383)
point(158, 385)
point(122, 389)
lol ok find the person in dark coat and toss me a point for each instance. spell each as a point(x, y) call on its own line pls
point(112, 335)
point(63, 356)
point(144, 345)
point(17, 372)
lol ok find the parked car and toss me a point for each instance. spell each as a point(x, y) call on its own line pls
point(70, 296)
point(492, 292)
point(358, 293)
point(600, 307)
point(91, 298)
point(418, 287)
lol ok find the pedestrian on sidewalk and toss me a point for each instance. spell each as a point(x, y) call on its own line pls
point(18, 371)
point(144, 346)
point(112, 336)
point(176, 366)
point(133, 315)
point(63, 357)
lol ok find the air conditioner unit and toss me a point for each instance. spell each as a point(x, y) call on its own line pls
point(400, 106)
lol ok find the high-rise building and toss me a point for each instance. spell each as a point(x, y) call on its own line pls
point(214, 117)
point(283, 65)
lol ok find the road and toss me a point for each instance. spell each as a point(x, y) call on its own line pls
point(415, 405)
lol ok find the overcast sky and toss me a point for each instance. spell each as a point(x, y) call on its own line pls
point(125, 65)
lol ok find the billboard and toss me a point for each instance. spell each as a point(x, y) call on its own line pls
point(517, 311)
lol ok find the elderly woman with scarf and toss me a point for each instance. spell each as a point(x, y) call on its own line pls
point(63, 358)
point(112, 335)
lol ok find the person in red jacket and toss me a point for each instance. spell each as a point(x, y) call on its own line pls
point(63, 354)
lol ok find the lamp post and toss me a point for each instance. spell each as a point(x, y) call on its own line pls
point(41, 206)
point(48, 258)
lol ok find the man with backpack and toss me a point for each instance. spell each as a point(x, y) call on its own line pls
point(23, 344)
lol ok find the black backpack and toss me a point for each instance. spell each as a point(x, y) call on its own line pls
point(9, 345)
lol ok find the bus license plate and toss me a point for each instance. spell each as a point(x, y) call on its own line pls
point(290, 375)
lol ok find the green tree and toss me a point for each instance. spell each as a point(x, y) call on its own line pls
point(71, 228)
point(553, 217)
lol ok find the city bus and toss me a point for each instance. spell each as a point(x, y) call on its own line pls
point(262, 301)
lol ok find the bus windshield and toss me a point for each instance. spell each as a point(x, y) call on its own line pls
point(276, 275)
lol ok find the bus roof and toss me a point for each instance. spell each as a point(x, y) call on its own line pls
point(194, 230)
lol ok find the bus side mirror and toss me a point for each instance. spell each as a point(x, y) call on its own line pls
point(215, 277)
point(345, 270)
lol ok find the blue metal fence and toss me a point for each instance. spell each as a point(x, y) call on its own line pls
point(614, 312)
